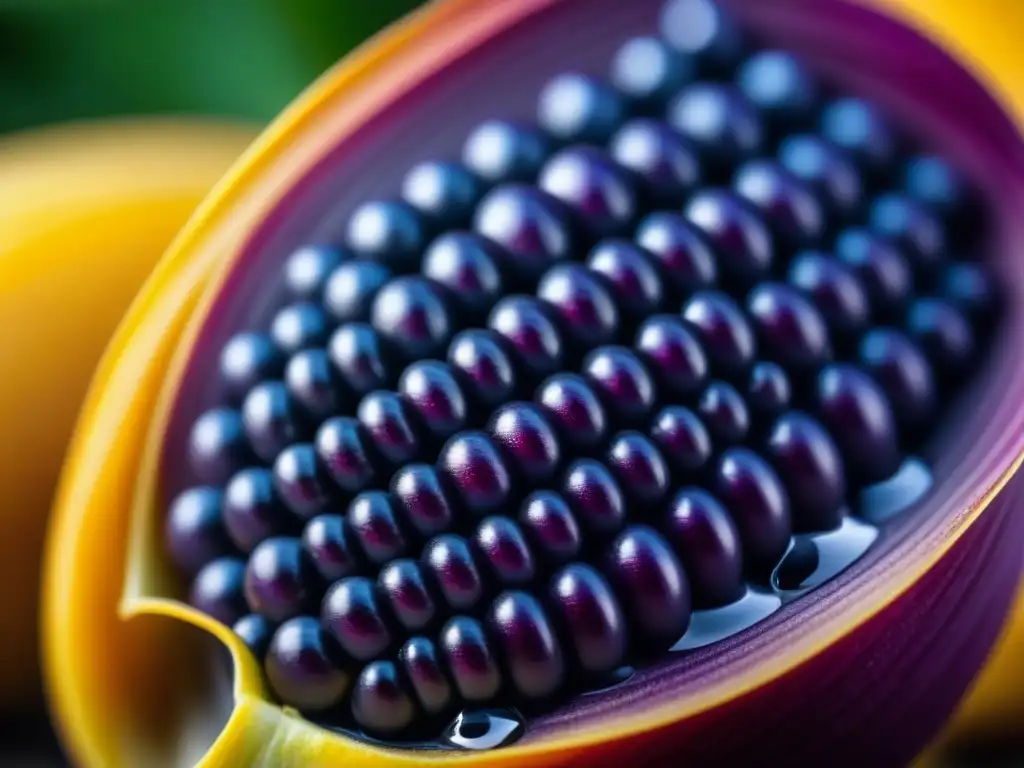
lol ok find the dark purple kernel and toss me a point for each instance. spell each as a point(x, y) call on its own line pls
point(527, 440)
point(351, 288)
point(410, 314)
point(482, 365)
point(622, 382)
point(737, 235)
point(217, 446)
point(255, 631)
point(469, 267)
point(723, 330)
point(430, 389)
point(639, 468)
point(193, 529)
point(702, 31)
point(299, 326)
point(768, 392)
point(359, 357)
point(859, 129)
point(911, 228)
point(420, 500)
point(252, 511)
point(422, 667)
point(683, 257)
point(834, 288)
point(630, 274)
point(703, 535)
point(528, 645)
point(673, 354)
point(299, 480)
point(524, 324)
point(665, 165)
point(882, 270)
point(304, 666)
point(581, 302)
point(652, 585)
point(933, 182)
point(648, 71)
point(720, 122)
point(279, 579)
point(548, 523)
point(724, 412)
point(470, 462)
point(943, 333)
point(825, 169)
point(450, 562)
point(573, 410)
point(306, 270)
point(343, 447)
point(529, 224)
point(387, 232)
point(403, 587)
point(388, 424)
point(783, 201)
point(970, 288)
point(503, 548)
point(247, 359)
point(682, 438)
point(351, 614)
point(445, 193)
point(789, 328)
point(218, 590)
point(500, 152)
point(329, 547)
point(598, 191)
point(857, 413)
point(574, 107)
point(312, 383)
point(904, 373)
point(270, 419)
point(594, 496)
point(756, 499)
point(380, 703)
point(474, 670)
point(592, 616)
point(371, 518)
point(809, 464)
point(779, 85)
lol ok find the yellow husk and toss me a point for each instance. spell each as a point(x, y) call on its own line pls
point(85, 212)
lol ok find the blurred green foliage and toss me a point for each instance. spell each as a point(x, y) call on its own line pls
point(230, 58)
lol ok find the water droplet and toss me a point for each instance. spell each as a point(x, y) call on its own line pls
point(710, 626)
point(884, 500)
point(613, 679)
point(814, 558)
point(484, 729)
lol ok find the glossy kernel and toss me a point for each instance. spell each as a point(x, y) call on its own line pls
point(666, 165)
point(471, 463)
point(703, 535)
point(594, 618)
point(652, 584)
point(574, 410)
point(682, 255)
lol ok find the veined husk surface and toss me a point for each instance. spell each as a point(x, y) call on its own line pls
point(862, 672)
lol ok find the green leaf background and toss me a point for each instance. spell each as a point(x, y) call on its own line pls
point(228, 58)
